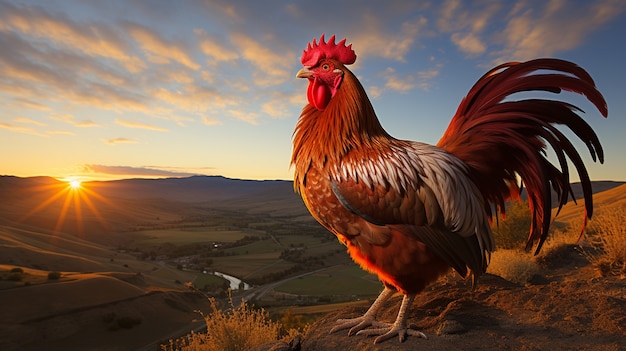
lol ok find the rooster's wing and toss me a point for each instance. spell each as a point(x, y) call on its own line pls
point(422, 192)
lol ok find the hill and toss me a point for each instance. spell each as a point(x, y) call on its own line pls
point(118, 248)
point(71, 293)
point(81, 236)
point(614, 196)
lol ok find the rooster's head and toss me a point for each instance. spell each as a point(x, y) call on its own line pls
point(323, 67)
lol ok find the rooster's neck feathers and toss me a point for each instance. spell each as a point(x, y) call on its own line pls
point(348, 123)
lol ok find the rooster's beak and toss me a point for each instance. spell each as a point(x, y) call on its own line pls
point(304, 73)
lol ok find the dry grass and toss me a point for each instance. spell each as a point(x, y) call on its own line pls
point(235, 329)
point(516, 266)
point(604, 246)
point(607, 241)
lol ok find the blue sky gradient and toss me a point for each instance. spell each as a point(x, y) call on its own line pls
point(120, 89)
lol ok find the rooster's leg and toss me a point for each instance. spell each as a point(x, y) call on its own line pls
point(398, 327)
point(359, 323)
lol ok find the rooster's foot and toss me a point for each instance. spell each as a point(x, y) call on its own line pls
point(360, 323)
point(388, 331)
point(355, 324)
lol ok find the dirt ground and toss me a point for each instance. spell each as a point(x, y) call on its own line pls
point(569, 307)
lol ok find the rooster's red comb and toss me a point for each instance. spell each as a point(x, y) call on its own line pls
point(339, 52)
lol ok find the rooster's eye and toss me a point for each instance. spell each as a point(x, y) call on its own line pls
point(325, 67)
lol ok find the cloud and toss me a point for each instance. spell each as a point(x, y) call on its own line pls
point(522, 30)
point(22, 102)
point(213, 48)
point(194, 99)
point(272, 67)
point(116, 141)
point(393, 82)
point(159, 50)
point(281, 105)
point(130, 124)
point(20, 129)
point(226, 8)
point(469, 43)
point(373, 39)
point(29, 121)
point(93, 40)
point(135, 171)
point(60, 132)
point(208, 121)
point(250, 117)
point(35, 70)
point(556, 27)
point(68, 118)
point(467, 24)
point(181, 120)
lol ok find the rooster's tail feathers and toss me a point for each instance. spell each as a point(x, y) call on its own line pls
point(503, 140)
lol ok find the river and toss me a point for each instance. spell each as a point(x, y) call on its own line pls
point(234, 281)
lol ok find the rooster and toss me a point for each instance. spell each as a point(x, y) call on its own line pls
point(409, 211)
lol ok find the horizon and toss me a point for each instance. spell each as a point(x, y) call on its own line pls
point(71, 179)
point(118, 90)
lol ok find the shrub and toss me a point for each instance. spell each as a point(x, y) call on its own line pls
point(607, 240)
point(561, 237)
point(235, 329)
point(516, 266)
point(17, 270)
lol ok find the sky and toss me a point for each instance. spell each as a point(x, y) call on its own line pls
point(103, 90)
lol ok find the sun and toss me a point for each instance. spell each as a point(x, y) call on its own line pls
point(74, 184)
point(76, 201)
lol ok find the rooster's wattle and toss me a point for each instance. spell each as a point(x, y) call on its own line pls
point(408, 211)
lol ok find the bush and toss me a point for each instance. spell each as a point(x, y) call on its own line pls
point(17, 270)
point(608, 241)
point(516, 266)
point(235, 329)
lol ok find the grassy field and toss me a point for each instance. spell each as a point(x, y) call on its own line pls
point(203, 280)
point(348, 280)
point(179, 236)
point(245, 265)
point(259, 247)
